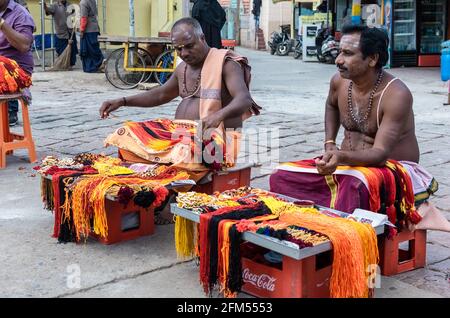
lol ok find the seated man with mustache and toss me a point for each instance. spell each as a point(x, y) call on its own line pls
point(214, 87)
point(375, 110)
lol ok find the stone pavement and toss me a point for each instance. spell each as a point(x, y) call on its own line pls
point(65, 121)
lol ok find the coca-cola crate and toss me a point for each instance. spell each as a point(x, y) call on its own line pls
point(306, 278)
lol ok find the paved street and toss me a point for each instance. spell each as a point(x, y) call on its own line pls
point(65, 121)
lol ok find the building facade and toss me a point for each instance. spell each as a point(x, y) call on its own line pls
point(151, 16)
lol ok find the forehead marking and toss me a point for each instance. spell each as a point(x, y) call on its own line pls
point(352, 43)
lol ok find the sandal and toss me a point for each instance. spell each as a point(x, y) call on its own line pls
point(159, 220)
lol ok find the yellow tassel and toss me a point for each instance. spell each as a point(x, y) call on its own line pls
point(184, 237)
point(66, 208)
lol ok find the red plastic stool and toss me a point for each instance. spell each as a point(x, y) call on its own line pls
point(10, 141)
point(394, 260)
point(115, 214)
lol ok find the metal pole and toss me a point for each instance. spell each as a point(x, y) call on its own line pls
point(104, 15)
point(328, 13)
point(131, 5)
point(293, 20)
point(52, 38)
point(43, 35)
point(238, 22)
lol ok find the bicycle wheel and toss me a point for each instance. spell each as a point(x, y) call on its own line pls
point(165, 60)
point(148, 61)
point(116, 73)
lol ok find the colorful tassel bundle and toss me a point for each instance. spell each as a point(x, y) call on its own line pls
point(211, 232)
point(87, 201)
point(354, 248)
point(80, 185)
point(398, 198)
point(407, 193)
point(12, 78)
point(184, 237)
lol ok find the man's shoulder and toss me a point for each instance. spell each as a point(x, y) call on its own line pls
point(397, 88)
point(397, 97)
point(336, 81)
point(22, 13)
point(232, 67)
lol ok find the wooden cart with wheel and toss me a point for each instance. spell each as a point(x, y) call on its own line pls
point(132, 64)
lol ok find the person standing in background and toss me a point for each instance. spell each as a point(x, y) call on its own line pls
point(63, 33)
point(256, 12)
point(90, 53)
point(211, 17)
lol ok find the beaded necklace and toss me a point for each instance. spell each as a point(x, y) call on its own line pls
point(197, 83)
point(351, 111)
point(361, 122)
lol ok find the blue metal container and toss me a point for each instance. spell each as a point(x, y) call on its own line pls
point(445, 61)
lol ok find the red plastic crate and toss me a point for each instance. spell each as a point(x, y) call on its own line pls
point(395, 260)
point(225, 181)
point(306, 278)
point(114, 216)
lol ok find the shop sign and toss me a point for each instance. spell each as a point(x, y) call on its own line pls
point(372, 15)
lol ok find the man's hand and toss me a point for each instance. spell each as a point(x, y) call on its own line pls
point(110, 106)
point(81, 34)
point(212, 121)
point(329, 162)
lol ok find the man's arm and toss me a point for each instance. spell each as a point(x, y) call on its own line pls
point(397, 105)
point(152, 98)
point(332, 117)
point(84, 13)
point(49, 11)
point(233, 76)
point(19, 40)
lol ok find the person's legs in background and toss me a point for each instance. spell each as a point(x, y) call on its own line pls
point(13, 108)
point(90, 53)
point(74, 52)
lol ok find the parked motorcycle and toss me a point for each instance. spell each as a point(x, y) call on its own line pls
point(327, 47)
point(280, 42)
point(275, 38)
point(298, 49)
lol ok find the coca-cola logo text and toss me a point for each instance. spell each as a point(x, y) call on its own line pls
point(262, 281)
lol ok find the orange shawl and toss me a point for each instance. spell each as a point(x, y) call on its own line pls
point(211, 82)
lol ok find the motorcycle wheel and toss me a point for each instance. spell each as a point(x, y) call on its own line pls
point(329, 59)
point(283, 49)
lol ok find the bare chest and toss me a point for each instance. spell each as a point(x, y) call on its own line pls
point(358, 112)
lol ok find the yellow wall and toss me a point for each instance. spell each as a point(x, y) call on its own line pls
point(151, 16)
